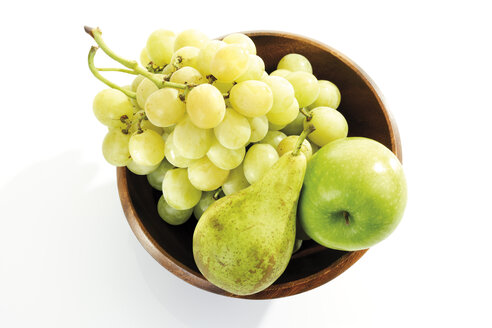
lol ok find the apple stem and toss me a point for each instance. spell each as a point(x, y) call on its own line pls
point(297, 147)
point(346, 216)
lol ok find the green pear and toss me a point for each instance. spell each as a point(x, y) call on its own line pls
point(244, 241)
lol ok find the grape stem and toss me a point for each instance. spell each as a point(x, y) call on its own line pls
point(122, 70)
point(135, 69)
point(101, 78)
point(297, 148)
point(306, 113)
point(217, 193)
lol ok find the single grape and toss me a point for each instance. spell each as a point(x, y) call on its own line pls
point(297, 245)
point(273, 138)
point(306, 87)
point(155, 177)
point(280, 72)
point(296, 126)
point(295, 63)
point(330, 125)
point(234, 131)
point(178, 191)
point(186, 56)
point(225, 158)
point(314, 147)
point(285, 107)
point(144, 89)
point(329, 95)
point(259, 128)
point(173, 156)
point(258, 160)
point(188, 75)
point(141, 169)
point(206, 55)
point(205, 176)
point(285, 116)
point(242, 40)
point(115, 147)
point(251, 98)
point(229, 63)
point(191, 141)
point(193, 38)
point(204, 203)
point(172, 215)
point(288, 144)
point(146, 148)
point(235, 181)
point(160, 47)
point(255, 70)
point(110, 105)
point(164, 107)
point(205, 106)
point(144, 58)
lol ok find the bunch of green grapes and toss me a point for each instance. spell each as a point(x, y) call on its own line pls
point(205, 120)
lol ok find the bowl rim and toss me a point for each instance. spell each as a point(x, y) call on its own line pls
point(277, 290)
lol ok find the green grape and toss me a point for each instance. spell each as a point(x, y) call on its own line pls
point(255, 70)
point(144, 89)
point(225, 158)
point(110, 105)
point(186, 56)
point(234, 131)
point(193, 38)
point(286, 116)
point(178, 191)
point(259, 128)
point(169, 129)
point(160, 47)
point(191, 141)
point(280, 72)
point(206, 55)
point(314, 147)
point(155, 177)
point(242, 40)
point(146, 148)
point(251, 98)
point(188, 75)
point(144, 57)
point(235, 181)
point(164, 108)
point(258, 160)
point(115, 147)
point(224, 87)
point(296, 126)
point(306, 87)
point(283, 109)
point(164, 136)
point(136, 82)
point(136, 108)
point(297, 245)
point(329, 95)
point(273, 138)
point(172, 215)
point(169, 69)
point(204, 203)
point(205, 106)
point(229, 63)
point(140, 122)
point(275, 127)
point(329, 123)
point(173, 156)
point(141, 169)
point(295, 63)
point(288, 144)
point(204, 175)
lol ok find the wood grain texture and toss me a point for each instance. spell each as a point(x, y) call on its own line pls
point(313, 265)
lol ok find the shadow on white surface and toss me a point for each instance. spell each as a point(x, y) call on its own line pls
point(192, 306)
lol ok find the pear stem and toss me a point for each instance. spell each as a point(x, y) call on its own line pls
point(297, 148)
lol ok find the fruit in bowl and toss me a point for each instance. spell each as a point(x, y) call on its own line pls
point(210, 142)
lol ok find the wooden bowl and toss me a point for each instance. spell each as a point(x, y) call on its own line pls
point(313, 265)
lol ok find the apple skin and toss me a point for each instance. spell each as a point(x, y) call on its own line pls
point(354, 194)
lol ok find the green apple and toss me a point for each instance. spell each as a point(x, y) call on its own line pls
point(354, 194)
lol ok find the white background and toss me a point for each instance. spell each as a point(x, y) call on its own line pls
point(69, 259)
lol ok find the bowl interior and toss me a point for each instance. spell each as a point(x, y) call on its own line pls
point(313, 265)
